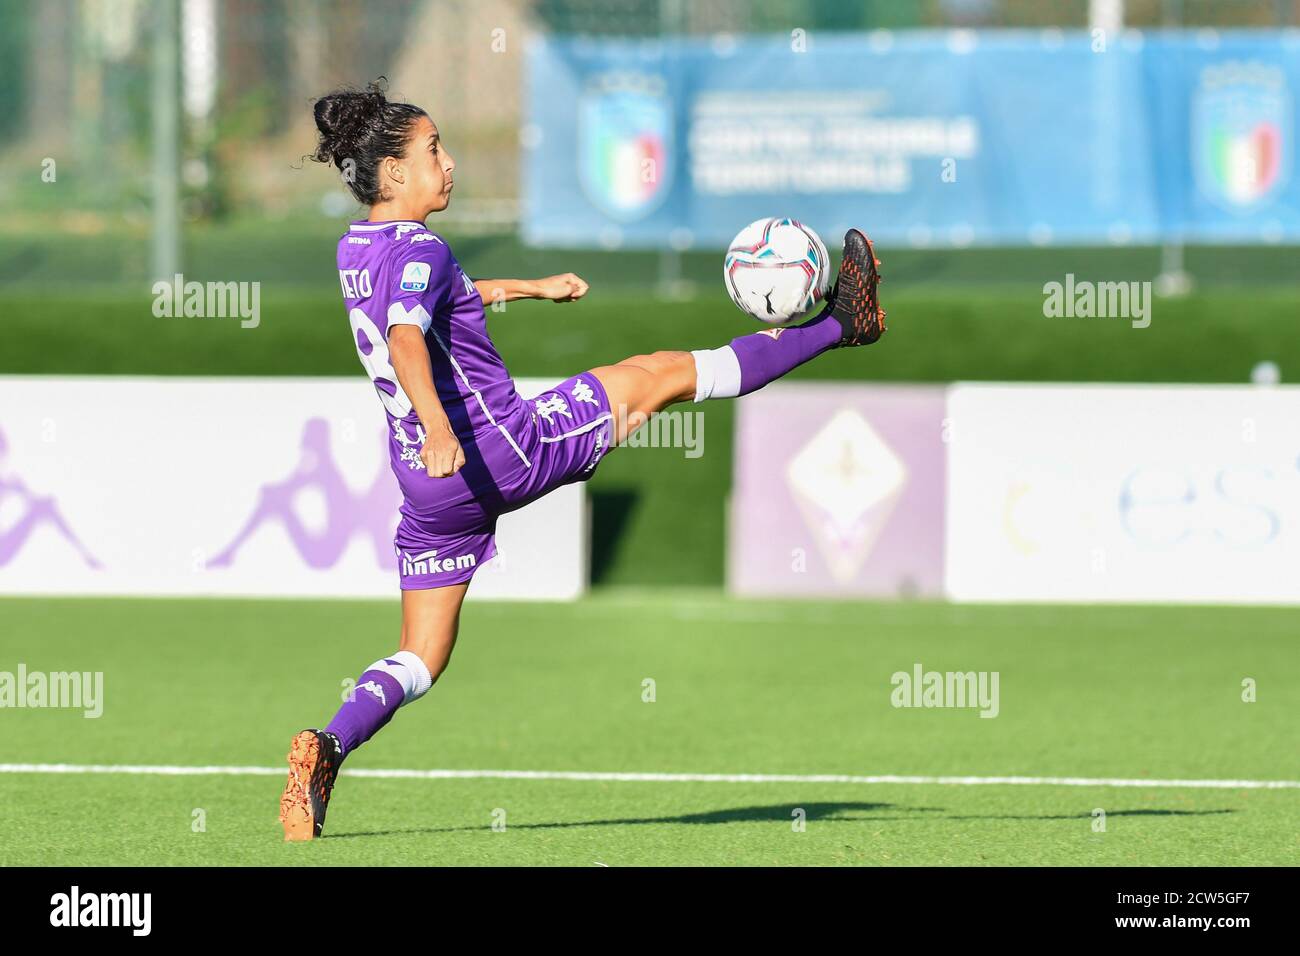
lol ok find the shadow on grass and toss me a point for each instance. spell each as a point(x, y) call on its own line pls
point(825, 812)
point(1109, 814)
point(779, 812)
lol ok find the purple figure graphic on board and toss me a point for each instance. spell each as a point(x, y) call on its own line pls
point(37, 511)
point(370, 514)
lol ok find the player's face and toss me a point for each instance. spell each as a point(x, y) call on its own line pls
point(429, 166)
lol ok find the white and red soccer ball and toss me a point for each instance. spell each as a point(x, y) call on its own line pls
point(777, 269)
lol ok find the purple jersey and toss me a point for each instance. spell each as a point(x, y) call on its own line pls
point(400, 273)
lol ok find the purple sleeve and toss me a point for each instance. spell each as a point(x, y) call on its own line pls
point(420, 277)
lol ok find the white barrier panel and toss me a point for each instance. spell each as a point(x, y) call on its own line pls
point(231, 486)
point(1106, 493)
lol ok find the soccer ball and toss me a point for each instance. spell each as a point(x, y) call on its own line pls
point(777, 269)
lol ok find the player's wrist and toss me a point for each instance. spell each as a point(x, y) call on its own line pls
point(435, 423)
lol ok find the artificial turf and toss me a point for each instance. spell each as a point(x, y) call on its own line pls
point(739, 688)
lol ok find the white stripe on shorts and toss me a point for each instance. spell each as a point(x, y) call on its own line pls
point(578, 431)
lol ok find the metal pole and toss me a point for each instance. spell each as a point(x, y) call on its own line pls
point(1106, 15)
point(166, 259)
point(669, 284)
point(1173, 279)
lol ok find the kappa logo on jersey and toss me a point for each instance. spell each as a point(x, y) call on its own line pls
point(375, 689)
point(427, 562)
point(423, 237)
point(550, 405)
point(410, 449)
point(415, 277)
point(404, 227)
point(583, 393)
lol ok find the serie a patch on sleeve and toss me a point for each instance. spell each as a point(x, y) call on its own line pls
point(415, 277)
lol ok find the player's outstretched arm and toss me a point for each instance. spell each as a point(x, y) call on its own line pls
point(441, 453)
point(559, 288)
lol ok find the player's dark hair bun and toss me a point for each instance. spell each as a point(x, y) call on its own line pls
point(358, 128)
point(342, 117)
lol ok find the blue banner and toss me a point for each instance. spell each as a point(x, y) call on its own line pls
point(923, 138)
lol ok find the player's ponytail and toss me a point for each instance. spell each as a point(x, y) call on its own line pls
point(358, 128)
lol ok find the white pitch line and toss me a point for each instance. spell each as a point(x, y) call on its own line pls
point(616, 777)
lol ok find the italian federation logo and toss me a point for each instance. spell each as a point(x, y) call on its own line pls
point(625, 130)
point(847, 483)
point(1241, 134)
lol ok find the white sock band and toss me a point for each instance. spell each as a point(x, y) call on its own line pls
point(408, 670)
point(717, 373)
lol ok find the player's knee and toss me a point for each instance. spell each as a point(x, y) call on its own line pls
point(660, 363)
point(677, 371)
point(673, 371)
point(673, 362)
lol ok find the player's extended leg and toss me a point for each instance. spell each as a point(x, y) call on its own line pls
point(644, 384)
point(430, 620)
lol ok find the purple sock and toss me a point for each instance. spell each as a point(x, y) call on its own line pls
point(374, 701)
point(766, 356)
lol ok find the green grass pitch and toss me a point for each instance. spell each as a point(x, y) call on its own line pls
point(749, 687)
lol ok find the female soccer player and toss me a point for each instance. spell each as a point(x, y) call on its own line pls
point(464, 445)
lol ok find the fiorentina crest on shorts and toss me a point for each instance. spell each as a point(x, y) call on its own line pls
point(846, 482)
point(1241, 133)
point(625, 134)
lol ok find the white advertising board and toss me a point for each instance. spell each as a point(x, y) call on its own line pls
point(1123, 493)
point(231, 486)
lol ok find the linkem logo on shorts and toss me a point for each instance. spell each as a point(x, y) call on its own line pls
point(428, 562)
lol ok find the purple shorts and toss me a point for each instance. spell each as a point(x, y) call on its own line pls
point(448, 525)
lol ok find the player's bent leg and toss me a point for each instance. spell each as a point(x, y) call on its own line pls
point(430, 620)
